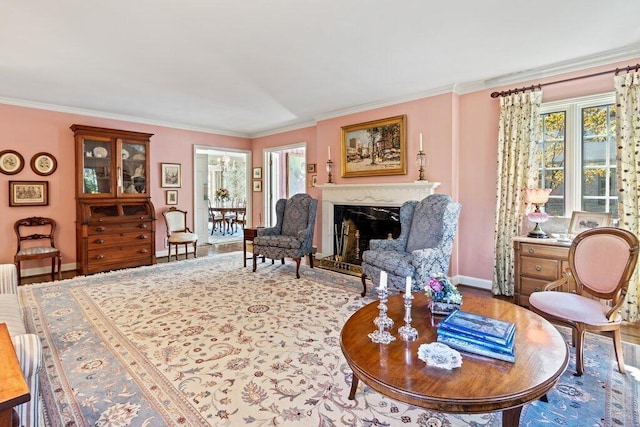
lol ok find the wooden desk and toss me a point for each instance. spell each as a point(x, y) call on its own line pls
point(13, 389)
point(481, 385)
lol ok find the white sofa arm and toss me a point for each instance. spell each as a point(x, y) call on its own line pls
point(29, 352)
point(8, 279)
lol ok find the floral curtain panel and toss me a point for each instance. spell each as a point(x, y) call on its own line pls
point(518, 128)
point(628, 134)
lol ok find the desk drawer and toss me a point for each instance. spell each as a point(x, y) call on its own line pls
point(544, 251)
point(95, 229)
point(106, 240)
point(118, 253)
point(539, 268)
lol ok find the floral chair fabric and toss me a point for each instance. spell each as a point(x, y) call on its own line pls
point(292, 235)
point(423, 249)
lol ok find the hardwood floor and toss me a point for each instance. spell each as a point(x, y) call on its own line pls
point(630, 331)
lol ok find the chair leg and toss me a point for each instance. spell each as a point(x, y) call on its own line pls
point(297, 260)
point(255, 260)
point(579, 351)
point(169, 256)
point(282, 260)
point(53, 269)
point(311, 260)
point(364, 285)
point(617, 345)
point(195, 251)
point(59, 267)
point(19, 275)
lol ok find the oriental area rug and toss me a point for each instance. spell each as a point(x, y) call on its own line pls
point(207, 342)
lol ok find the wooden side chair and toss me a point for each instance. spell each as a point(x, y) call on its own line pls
point(178, 233)
point(601, 262)
point(36, 241)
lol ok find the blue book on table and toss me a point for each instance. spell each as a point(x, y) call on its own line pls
point(468, 347)
point(479, 327)
point(489, 345)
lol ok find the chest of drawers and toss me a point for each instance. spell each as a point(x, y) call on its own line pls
point(537, 263)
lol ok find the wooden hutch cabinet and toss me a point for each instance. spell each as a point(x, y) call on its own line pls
point(115, 219)
point(538, 262)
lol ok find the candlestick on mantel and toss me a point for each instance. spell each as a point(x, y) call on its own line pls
point(329, 150)
point(420, 141)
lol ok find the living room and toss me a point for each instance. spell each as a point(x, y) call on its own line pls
point(458, 123)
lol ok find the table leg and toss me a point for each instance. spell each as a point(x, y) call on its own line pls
point(354, 386)
point(511, 417)
point(244, 251)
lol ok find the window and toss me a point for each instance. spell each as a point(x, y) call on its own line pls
point(577, 155)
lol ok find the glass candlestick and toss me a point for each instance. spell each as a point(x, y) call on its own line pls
point(383, 322)
point(329, 169)
point(421, 160)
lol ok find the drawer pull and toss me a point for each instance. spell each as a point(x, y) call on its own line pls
point(531, 250)
point(143, 226)
point(537, 289)
point(101, 228)
point(100, 220)
point(538, 268)
point(143, 251)
point(143, 237)
point(99, 241)
point(100, 256)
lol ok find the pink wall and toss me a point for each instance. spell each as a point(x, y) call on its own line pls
point(29, 131)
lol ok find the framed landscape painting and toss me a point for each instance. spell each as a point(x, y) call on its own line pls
point(375, 148)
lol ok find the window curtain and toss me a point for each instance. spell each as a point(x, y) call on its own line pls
point(628, 141)
point(517, 132)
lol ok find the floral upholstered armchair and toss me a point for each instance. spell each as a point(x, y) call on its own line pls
point(292, 235)
point(423, 248)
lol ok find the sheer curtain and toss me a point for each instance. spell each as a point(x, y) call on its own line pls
point(517, 170)
point(628, 135)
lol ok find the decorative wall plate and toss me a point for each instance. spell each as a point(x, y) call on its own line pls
point(125, 154)
point(11, 162)
point(44, 164)
point(100, 152)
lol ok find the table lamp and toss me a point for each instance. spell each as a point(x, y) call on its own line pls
point(537, 197)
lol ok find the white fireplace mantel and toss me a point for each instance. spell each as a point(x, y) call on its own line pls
point(382, 194)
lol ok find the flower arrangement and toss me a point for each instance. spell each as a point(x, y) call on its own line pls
point(222, 194)
point(441, 289)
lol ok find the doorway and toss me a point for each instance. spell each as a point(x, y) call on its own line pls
point(221, 179)
point(285, 175)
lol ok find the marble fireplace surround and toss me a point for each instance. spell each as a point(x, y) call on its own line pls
point(378, 194)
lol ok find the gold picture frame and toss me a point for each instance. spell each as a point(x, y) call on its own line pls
point(257, 186)
point(375, 148)
point(28, 193)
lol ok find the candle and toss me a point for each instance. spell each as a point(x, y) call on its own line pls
point(383, 280)
point(329, 149)
point(407, 290)
point(420, 141)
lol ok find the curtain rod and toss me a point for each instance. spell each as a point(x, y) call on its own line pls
point(540, 85)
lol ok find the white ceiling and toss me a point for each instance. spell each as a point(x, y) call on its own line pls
point(250, 67)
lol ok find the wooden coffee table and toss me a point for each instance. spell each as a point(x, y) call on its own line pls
point(481, 385)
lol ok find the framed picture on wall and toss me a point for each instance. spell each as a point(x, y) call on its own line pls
point(44, 164)
point(28, 193)
point(311, 168)
point(375, 148)
point(11, 162)
point(257, 186)
point(171, 197)
point(171, 175)
point(257, 173)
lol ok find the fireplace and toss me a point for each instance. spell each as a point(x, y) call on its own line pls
point(356, 200)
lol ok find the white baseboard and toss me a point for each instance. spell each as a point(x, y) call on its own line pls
point(472, 282)
point(37, 271)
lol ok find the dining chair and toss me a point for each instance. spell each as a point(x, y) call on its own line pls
point(601, 262)
point(178, 233)
point(36, 241)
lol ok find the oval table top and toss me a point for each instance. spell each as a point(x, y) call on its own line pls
point(482, 384)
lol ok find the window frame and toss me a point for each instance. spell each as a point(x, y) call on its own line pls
point(572, 109)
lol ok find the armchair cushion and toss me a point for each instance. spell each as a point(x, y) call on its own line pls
point(297, 215)
point(278, 241)
point(426, 224)
point(396, 263)
point(573, 307)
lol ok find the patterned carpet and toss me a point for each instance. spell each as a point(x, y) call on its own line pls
point(207, 342)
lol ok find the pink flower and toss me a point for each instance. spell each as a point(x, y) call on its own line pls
point(435, 285)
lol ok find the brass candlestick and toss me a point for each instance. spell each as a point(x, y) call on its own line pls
point(329, 169)
point(421, 159)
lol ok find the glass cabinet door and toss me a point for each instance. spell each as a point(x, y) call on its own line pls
point(133, 173)
point(97, 166)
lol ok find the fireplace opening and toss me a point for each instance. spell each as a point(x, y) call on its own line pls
point(355, 226)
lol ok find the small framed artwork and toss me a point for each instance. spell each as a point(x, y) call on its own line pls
point(581, 221)
point(44, 164)
point(311, 168)
point(28, 193)
point(257, 186)
point(171, 175)
point(313, 180)
point(11, 162)
point(171, 197)
point(257, 173)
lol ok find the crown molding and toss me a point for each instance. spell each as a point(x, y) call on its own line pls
point(113, 116)
point(630, 51)
point(303, 123)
